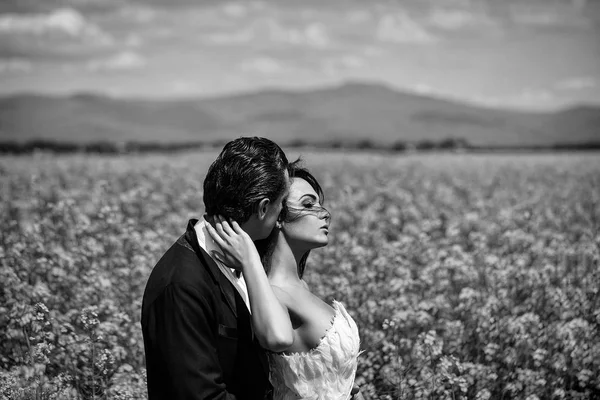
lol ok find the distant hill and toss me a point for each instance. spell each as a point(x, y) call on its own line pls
point(349, 113)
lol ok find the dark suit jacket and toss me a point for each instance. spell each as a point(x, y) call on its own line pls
point(197, 330)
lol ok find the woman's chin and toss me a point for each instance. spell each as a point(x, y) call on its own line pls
point(322, 242)
point(314, 243)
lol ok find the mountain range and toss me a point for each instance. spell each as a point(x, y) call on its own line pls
point(348, 113)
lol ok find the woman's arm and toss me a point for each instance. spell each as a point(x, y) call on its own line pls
point(270, 318)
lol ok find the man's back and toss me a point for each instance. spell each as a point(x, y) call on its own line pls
point(197, 330)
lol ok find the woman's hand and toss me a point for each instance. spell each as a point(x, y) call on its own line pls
point(270, 318)
point(237, 248)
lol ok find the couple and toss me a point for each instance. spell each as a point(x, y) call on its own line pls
point(226, 314)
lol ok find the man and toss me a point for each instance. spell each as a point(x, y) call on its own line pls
point(195, 313)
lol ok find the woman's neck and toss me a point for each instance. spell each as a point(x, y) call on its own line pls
point(284, 262)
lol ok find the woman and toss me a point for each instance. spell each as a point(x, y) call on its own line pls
point(313, 346)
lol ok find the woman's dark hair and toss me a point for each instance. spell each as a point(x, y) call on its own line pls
point(266, 246)
point(247, 170)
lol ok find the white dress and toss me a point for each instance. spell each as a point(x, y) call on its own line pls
point(324, 373)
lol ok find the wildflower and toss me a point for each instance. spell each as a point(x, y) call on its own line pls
point(89, 318)
point(105, 362)
point(483, 394)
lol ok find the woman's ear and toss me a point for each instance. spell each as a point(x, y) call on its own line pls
point(263, 208)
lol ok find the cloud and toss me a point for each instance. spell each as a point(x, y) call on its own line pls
point(121, 61)
point(313, 35)
point(61, 33)
point(182, 87)
point(401, 28)
point(15, 65)
point(537, 18)
point(138, 14)
point(534, 96)
point(451, 19)
point(423, 89)
point(373, 51)
point(228, 17)
point(66, 21)
point(235, 10)
point(457, 19)
point(262, 65)
point(336, 65)
point(577, 83)
point(133, 40)
point(548, 15)
point(230, 38)
point(358, 16)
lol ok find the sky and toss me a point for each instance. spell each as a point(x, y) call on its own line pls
point(523, 54)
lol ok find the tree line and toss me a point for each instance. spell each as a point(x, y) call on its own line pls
point(108, 147)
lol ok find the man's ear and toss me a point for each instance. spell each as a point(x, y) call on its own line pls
point(263, 207)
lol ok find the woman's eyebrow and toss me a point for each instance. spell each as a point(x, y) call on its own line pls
point(312, 196)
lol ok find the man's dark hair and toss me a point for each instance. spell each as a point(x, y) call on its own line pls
point(247, 170)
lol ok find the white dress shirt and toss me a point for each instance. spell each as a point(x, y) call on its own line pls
point(209, 245)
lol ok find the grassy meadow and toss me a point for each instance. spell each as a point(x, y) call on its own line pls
point(470, 276)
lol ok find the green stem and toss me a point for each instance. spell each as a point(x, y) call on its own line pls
point(93, 365)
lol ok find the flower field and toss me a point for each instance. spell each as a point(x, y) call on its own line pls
point(470, 276)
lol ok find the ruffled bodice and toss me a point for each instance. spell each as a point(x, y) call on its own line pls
point(323, 373)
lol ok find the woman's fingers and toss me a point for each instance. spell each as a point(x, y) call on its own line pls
point(215, 235)
point(229, 231)
point(219, 228)
point(231, 228)
point(210, 221)
point(227, 227)
point(236, 227)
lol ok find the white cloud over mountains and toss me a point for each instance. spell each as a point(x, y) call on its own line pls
point(66, 21)
point(125, 60)
point(15, 65)
point(57, 36)
point(454, 45)
point(269, 30)
point(262, 65)
point(319, 26)
point(577, 83)
point(138, 14)
point(401, 28)
point(558, 15)
point(336, 66)
point(457, 19)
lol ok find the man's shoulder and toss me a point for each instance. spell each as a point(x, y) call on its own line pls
point(179, 268)
point(179, 265)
